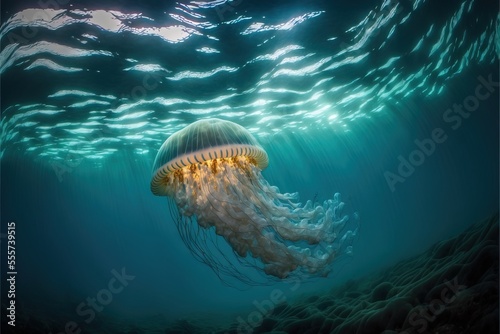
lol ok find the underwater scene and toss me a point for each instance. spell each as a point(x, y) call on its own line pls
point(249, 166)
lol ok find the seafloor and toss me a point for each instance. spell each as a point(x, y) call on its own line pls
point(451, 288)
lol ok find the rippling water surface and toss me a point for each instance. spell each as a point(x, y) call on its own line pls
point(92, 80)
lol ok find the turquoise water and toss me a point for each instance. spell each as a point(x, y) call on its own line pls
point(394, 104)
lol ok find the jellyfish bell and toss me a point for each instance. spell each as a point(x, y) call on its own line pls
point(211, 171)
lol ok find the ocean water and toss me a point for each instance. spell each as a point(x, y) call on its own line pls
point(393, 104)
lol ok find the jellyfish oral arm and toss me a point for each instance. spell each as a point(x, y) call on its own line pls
point(258, 221)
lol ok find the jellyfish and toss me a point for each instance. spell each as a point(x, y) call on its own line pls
point(212, 173)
